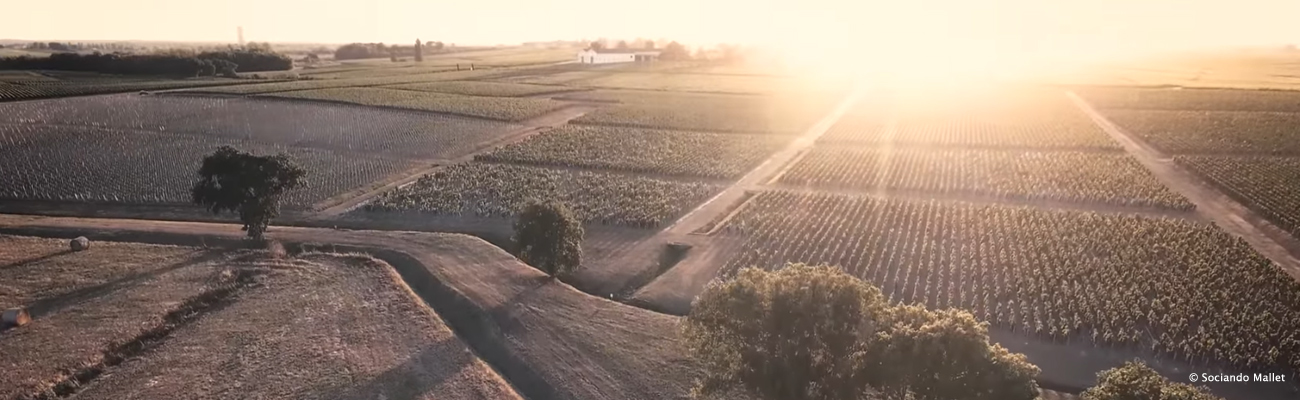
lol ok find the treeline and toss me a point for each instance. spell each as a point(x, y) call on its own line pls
point(178, 63)
point(358, 51)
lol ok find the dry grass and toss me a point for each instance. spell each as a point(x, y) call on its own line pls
point(85, 303)
point(337, 326)
point(323, 326)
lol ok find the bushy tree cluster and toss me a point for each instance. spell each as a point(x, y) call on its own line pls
point(252, 59)
point(358, 51)
point(223, 62)
point(816, 333)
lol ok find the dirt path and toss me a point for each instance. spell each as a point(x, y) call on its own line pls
point(1269, 240)
point(641, 264)
point(338, 205)
point(549, 340)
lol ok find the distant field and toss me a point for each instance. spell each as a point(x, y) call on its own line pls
point(146, 149)
point(1213, 131)
point(625, 78)
point(499, 190)
point(707, 112)
point(643, 150)
point(1107, 178)
point(476, 88)
point(498, 108)
point(259, 88)
point(1193, 99)
point(94, 164)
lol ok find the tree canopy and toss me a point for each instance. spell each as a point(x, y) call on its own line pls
point(1136, 381)
point(548, 236)
point(182, 63)
point(815, 333)
point(795, 334)
point(232, 180)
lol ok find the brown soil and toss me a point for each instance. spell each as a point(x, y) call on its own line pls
point(86, 302)
point(546, 338)
point(321, 326)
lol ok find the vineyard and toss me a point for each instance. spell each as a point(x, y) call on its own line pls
point(1222, 132)
point(708, 155)
point(1181, 288)
point(41, 90)
point(368, 79)
point(498, 108)
point(475, 88)
point(321, 126)
point(1269, 185)
point(499, 190)
point(1111, 178)
point(1193, 99)
point(971, 134)
point(692, 83)
point(96, 164)
point(712, 113)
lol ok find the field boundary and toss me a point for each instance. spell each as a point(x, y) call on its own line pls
point(1229, 214)
point(408, 253)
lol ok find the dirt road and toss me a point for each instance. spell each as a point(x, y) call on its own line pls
point(547, 339)
point(1269, 240)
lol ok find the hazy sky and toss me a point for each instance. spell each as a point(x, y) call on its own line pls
point(1005, 25)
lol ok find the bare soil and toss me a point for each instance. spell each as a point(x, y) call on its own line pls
point(321, 326)
point(549, 340)
point(84, 303)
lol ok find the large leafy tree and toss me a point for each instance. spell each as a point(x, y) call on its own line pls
point(235, 181)
point(1136, 381)
point(548, 236)
point(817, 333)
point(944, 355)
point(794, 334)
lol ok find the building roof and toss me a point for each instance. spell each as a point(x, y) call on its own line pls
point(625, 51)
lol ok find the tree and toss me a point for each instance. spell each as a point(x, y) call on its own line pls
point(548, 236)
point(235, 181)
point(1136, 381)
point(419, 51)
point(597, 45)
point(816, 333)
point(674, 52)
point(944, 355)
point(794, 334)
point(622, 45)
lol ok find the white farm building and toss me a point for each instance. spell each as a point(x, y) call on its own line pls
point(591, 56)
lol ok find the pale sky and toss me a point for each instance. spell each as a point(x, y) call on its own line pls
point(820, 25)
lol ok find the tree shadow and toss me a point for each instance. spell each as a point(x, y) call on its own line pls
point(33, 260)
point(425, 370)
point(51, 305)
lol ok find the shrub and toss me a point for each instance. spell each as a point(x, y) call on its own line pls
point(1136, 381)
